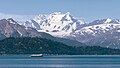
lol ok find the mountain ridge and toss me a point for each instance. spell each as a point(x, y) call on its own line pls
point(65, 25)
point(96, 32)
point(10, 28)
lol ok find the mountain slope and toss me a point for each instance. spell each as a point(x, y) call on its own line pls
point(10, 28)
point(105, 33)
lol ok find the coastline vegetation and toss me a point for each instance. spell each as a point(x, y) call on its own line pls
point(28, 45)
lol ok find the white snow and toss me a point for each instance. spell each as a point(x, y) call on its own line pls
point(108, 20)
point(12, 22)
point(19, 33)
point(94, 30)
point(117, 30)
point(58, 23)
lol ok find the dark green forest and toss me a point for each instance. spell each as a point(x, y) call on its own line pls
point(28, 45)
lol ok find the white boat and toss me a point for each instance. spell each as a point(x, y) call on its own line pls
point(36, 55)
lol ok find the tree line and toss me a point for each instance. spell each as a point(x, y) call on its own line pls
point(28, 45)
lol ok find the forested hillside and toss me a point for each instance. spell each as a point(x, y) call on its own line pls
point(27, 45)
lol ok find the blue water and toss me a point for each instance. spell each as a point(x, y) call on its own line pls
point(65, 61)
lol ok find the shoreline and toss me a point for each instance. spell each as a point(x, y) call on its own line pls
point(52, 55)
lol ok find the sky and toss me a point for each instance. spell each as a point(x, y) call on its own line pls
point(85, 9)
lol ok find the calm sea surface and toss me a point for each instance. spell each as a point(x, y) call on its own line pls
point(60, 62)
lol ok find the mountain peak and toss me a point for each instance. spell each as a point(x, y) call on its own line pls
point(105, 21)
point(108, 20)
point(68, 17)
point(62, 23)
point(111, 21)
point(12, 21)
point(68, 13)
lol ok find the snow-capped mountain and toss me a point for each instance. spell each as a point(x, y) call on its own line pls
point(99, 32)
point(10, 28)
point(105, 32)
point(57, 23)
point(105, 21)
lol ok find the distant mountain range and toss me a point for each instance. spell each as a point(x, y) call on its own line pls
point(103, 32)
